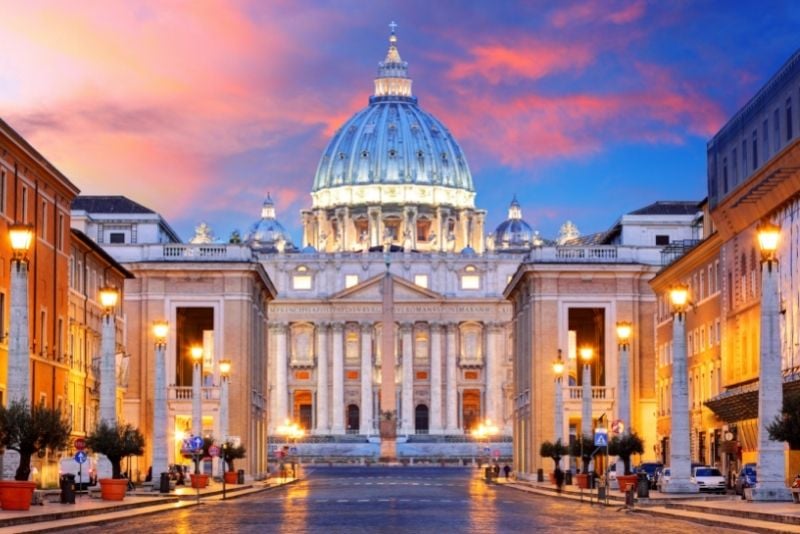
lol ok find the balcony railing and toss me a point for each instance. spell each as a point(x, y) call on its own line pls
point(598, 393)
point(185, 393)
point(596, 254)
point(180, 252)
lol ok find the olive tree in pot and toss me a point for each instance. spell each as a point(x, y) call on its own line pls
point(232, 452)
point(786, 427)
point(28, 431)
point(115, 442)
point(582, 447)
point(625, 446)
point(554, 451)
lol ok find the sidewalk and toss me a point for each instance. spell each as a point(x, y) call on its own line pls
point(93, 511)
point(726, 511)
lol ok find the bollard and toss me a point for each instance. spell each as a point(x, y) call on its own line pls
point(540, 475)
point(240, 476)
point(643, 486)
point(629, 497)
point(163, 483)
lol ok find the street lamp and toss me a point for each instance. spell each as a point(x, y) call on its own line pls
point(160, 454)
point(679, 454)
point(196, 353)
point(486, 430)
point(558, 371)
point(770, 485)
point(225, 378)
point(586, 354)
point(624, 331)
point(291, 431)
point(21, 236)
point(108, 366)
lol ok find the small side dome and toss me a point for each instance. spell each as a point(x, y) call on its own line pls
point(513, 234)
point(268, 235)
point(308, 250)
point(468, 251)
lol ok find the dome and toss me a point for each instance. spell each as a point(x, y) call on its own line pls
point(514, 233)
point(268, 235)
point(390, 143)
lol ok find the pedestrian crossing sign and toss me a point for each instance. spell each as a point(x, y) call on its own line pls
point(601, 437)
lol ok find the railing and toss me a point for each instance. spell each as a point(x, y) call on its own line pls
point(181, 252)
point(598, 393)
point(596, 254)
point(186, 393)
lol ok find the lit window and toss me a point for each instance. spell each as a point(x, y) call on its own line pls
point(421, 280)
point(302, 269)
point(470, 281)
point(350, 280)
point(470, 269)
point(301, 281)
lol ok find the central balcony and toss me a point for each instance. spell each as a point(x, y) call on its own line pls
point(602, 399)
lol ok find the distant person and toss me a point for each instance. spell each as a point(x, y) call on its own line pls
point(496, 470)
point(559, 476)
point(506, 470)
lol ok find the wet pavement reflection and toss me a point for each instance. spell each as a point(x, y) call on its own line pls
point(395, 499)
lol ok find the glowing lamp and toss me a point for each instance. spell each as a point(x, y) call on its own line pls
point(108, 298)
point(624, 330)
point(558, 367)
point(768, 237)
point(225, 367)
point(21, 236)
point(679, 295)
point(196, 353)
point(160, 331)
point(586, 354)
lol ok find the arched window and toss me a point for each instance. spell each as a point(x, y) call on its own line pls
point(353, 419)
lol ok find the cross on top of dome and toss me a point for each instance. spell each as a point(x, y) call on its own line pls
point(393, 80)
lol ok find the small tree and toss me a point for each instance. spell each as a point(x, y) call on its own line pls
point(554, 451)
point(29, 430)
point(232, 453)
point(786, 427)
point(116, 442)
point(584, 453)
point(625, 446)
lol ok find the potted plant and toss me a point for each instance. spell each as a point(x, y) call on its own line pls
point(625, 446)
point(582, 447)
point(786, 427)
point(200, 480)
point(115, 442)
point(232, 453)
point(554, 451)
point(28, 431)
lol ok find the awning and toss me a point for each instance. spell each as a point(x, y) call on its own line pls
point(741, 402)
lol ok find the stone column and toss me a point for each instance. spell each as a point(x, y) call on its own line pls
point(623, 395)
point(679, 452)
point(322, 378)
point(108, 370)
point(374, 220)
point(197, 401)
point(493, 365)
point(436, 378)
point(160, 450)
point(224, 418)
point(338, 379)
point(407, 402)
point(281, 378)
point(19, 352)
point(770, 485)
point(366, 379)
point(451, 398)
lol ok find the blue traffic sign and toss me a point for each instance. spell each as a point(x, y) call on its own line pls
point(197, 442)
point(80, 457)
point(601, 437)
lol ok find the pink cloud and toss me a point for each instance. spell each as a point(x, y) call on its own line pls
point(594, 11)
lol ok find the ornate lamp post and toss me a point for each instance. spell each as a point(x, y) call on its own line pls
point(624, 330)
point(21, 236)
point(679, 454)
point(486, 430)
point(160, 455)
point(586, 354)
point(225, 377)
point(197, 404)
point(770, 485)
point(108, 364)
point(558, 420)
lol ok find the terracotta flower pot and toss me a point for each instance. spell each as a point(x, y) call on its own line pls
point(582, 480)
point(552, 478)
point(199, 481)
point(626, 481)
point(113, 489)
point(16, 494)
point(231, 477)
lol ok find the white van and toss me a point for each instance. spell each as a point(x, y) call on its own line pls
point(85, 474)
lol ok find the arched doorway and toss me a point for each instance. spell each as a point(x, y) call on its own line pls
point(302, 408)
point(353, 419)
point(471, 408)
point(421, 419)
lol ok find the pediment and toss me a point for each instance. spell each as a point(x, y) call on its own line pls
point(372, 290)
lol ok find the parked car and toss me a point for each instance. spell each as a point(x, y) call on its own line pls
point(652, 469)
point(708, 479)
point(745, 479)
point(663, 478)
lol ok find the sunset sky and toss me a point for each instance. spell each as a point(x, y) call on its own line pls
point(585, 110)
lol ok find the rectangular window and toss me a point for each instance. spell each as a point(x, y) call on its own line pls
point(766, 139)
point(744, 159)
point(350, 280)
point(470, 281)
point(116, 237)
point(43, 334)
point(3, 191)
point(662, 240)
point(24, 205)
point(301, 281)
point(421, 280)
point(43, 221)
point(789, 119)
point(60, 233)
point(735, 166)
point(724, 176)
point(422, 375)
point(702, 286)
point(351, 375)
point(755, 149)
point(776, 125)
